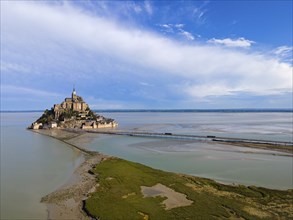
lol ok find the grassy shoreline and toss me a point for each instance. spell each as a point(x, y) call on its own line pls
point(103, 184)
point(120, 183)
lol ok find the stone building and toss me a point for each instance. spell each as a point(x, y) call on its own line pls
point(36, 126)
point(72, 113)
point(75, 103)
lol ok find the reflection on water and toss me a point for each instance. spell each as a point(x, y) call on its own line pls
point(32, 165)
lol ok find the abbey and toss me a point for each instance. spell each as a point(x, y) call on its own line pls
point(75, 103)
point(74, 113)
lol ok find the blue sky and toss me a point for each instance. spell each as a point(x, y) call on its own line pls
point(147, 54)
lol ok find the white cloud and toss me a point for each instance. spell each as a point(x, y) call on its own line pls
point(283, 51)
point(137, 9)
point(99, 103)
point(187, 35)
point(179, 25)
point(148, 7)
point(202, 91)
point(24, 92)
point(15, 67)
point(240, 42)
point(145, 84)
point(178, 29)
point(168, 28)
point(199, 14)
point(210, 70)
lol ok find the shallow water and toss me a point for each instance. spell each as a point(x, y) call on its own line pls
point(275, 126)
point(224, 163)
point(32, 165)
point(217, 161)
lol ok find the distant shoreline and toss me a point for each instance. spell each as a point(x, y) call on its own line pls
point(230, 110)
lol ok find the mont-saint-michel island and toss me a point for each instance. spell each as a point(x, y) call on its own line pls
point(146, 110)
point(73, 112)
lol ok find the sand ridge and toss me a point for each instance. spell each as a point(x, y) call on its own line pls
point(66, 203)
point(174, 199)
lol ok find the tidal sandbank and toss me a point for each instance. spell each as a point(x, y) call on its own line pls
point(68, 201)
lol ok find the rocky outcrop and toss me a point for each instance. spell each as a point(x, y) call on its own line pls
point(72, 113)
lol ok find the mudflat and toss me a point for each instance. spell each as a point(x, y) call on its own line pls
point(67, 201)
point(105, 187)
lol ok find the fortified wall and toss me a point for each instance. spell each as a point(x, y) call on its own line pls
point(73, 112)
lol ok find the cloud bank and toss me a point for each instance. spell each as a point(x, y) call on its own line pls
point(240, 42)
point(190, 70)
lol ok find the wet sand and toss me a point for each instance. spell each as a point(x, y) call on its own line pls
point(67, 201)
point(173, 198)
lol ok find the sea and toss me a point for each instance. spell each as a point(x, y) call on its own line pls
point(33, 165)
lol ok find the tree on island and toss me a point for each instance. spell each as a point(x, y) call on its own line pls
point(47, 117)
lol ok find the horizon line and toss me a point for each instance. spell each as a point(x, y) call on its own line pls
point(167, 109)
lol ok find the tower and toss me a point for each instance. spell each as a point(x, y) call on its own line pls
point(73, 95)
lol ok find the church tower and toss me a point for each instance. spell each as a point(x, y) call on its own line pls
point(73, 95)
